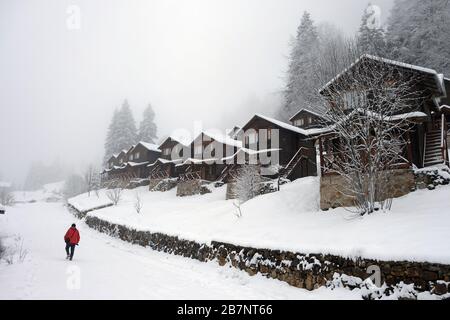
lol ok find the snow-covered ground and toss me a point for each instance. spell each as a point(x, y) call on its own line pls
point(50, 192)
point(107, 268)
point(418, 227)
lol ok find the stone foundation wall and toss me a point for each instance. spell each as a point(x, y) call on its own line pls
point(192, 187)
point(309, 271)
point(231, 191)
point(332, 195)
point(165, 185)
point(153, 183)
point(82, 214)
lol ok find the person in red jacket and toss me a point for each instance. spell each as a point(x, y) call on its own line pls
point(71, 238)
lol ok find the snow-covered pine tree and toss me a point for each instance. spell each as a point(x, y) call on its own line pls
point(371, 38)
point(300, 89)
point(126, 128)
point(122, 132)
point(147, 127)
point(110, 143)
point(419, 33)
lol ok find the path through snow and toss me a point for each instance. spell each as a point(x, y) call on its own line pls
point(112, 269)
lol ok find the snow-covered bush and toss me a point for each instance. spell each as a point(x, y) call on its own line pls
point(6, 198)
point(248, 183)
point(2, 249)
point(138, 204)
point(15, 252)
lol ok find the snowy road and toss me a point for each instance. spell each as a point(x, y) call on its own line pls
point(107, 268)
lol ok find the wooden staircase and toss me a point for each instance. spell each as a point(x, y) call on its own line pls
point(225, 172)
point(289, 169)
point(433, 154)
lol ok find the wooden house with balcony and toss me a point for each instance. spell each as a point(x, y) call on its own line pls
point(206, 153)
point(139, 157)
point(174, 150)
point(130, 165)
point(424, 120)
point(281, 149)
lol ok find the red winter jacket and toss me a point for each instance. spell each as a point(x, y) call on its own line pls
point(72, 236)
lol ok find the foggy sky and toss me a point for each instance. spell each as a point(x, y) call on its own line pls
point(213, 60)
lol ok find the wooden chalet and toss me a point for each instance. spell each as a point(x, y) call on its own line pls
point(292, 148)
point(307, 119)
point(174, 150)
point(426, 140)
point(140, 156)
point(207, 152)
point(131, 164)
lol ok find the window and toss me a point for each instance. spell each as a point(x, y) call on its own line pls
point(353, 99)
point(131, 157)
point(166, 151)
point(137, 155)
point(310, 120)
point(299, 122)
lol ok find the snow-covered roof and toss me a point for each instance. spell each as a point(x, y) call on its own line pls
point(287, 126)
point(249, 152)
point(306, 110)
point(165, 161)
point(184, 140)
point(181, 139)
point(114, 156)
point(391, 62)
point(397, 117)
point(197, 161)
point(223, 139)
point(444, 107)
point(136, 164)
point(148, 146)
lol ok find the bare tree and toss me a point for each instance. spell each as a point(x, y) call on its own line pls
point(115, 195)
point(369, 105)
point(138, 204)
point(91, 179)
point(248, 184)
point(6, 198)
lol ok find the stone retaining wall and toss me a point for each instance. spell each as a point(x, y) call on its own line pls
point(153, 183)
point(309, 271)
point(81, 214)
point(192, 187)
point(332, 195)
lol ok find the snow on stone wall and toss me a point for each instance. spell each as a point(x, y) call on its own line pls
point(308, 271)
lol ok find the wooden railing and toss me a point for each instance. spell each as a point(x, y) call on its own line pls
point(159, 175)
point(302, 152)
point(189, 176)
point(444, 146)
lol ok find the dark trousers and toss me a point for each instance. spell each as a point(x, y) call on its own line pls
point(72, 249)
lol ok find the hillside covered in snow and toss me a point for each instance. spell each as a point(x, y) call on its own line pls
point(417, 229)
